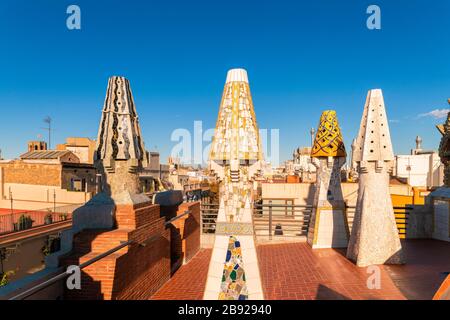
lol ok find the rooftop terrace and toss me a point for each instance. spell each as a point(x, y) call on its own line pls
point(294, 271)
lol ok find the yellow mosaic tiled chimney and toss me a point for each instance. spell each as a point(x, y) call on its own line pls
point(328, 141)
point(328, 227)
point(235, 158)
point(236, 135)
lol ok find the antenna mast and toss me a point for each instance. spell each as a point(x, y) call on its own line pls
point(48, 121)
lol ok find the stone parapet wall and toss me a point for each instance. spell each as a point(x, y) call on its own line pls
point(441, 219)
point(32, 173)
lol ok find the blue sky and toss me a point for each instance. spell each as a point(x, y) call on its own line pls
point(302, 57)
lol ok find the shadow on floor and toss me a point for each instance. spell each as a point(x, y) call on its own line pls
point(325, 293)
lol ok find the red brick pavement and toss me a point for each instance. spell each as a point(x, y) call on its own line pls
point(295, 271)
point(189, 282)
point(428, 263)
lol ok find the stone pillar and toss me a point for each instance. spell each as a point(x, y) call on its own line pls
point(374, 238)
point(328, 227)
point(118, 158)
point(120, 212)
point(120, 151)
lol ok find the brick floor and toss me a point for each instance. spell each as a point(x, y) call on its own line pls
point(428, 263)
point(189, 282)
point(295, 271)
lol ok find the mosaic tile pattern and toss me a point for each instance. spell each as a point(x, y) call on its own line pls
point(234, 285)
point(235, 156)
point(236, 135)
point(328, 141)
point(119, 134)
point(237, 196)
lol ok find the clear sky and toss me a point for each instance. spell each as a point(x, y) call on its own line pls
point(302, 57)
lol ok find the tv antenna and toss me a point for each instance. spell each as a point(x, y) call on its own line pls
point(48, 121)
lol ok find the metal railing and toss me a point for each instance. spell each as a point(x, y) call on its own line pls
point(401, 214)
point(208, 215)
point(286, 220)
point(401, 219)
point(63, 275)
point(19, 220)
point(60, 276)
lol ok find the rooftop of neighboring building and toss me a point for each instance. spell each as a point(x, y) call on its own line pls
point(79, 141)
point(303, 151)
point(46, 155)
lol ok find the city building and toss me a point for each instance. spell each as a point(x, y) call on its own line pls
point(83, 148)
point(155, 177)
point(44, 179)
point(37, 145)
point(303, 165)
point(421, 168)
point(38, 193)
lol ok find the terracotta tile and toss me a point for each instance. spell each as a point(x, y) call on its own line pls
point(295, 271)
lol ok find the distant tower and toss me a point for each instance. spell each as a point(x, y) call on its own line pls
point(418, 143)
point(328, 227)
point(418, 146)
point(235, 158)
point(353, 152)
point(374, 238)
point(312, 132)
point(37, 146)
point(120, 151)
point(353, 174)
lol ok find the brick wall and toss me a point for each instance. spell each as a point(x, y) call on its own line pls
point(139, 270)
point(145, 269)
point(134, 272)
point(185, 233)
point(32, 173)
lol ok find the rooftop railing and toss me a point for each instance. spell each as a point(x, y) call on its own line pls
point(18, 220)
point(209, 212)
point(288, 220)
